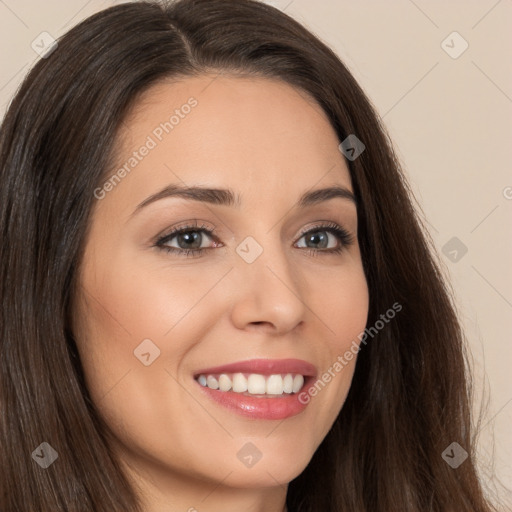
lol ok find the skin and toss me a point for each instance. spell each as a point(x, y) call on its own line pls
point(270, 143)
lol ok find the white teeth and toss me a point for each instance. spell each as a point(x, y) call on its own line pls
point(212, 382)
point(254, 383)
point(298, 382)
point(239, 383)
point(287, 383)
point(275, 385)
point(224, 383)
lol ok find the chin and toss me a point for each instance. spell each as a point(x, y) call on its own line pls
point(275, 470)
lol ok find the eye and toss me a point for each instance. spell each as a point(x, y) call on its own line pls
point(319, 237)
point(188, 240)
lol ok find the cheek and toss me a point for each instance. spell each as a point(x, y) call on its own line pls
point(342, 306)
point(350, 314)
point(340, 301)
point(118, 310)
point(128, 302)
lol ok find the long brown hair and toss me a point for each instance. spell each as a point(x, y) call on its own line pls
point(410, 394)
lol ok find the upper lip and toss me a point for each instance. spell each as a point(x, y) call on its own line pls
point(264, 367)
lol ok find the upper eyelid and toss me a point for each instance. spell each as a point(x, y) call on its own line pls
point(176, 231)
point(325, 224)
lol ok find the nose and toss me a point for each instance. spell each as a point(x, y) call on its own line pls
point(269, 292)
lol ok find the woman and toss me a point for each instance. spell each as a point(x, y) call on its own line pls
point(169, 341)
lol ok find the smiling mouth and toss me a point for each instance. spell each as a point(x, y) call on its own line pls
point(253, 384)
point(261, 389)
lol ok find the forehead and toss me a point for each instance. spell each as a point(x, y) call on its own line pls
point(252, 134)
point(245, 111)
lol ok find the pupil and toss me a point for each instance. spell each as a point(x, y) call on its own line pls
point(321, 236)
point(192, 235)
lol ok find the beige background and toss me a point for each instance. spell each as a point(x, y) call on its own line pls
point(451, 121)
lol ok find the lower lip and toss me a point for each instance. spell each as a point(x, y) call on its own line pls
point(273, 408)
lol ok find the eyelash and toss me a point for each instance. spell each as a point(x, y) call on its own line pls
point(343, 236)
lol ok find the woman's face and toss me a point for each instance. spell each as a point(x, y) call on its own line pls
point(152, 319)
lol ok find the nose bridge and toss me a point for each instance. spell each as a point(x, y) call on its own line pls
point(268, 287)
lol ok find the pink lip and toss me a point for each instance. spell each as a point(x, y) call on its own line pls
point(264, 367)
point(273, 408)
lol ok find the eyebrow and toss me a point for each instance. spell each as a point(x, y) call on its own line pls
point(226, 197)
